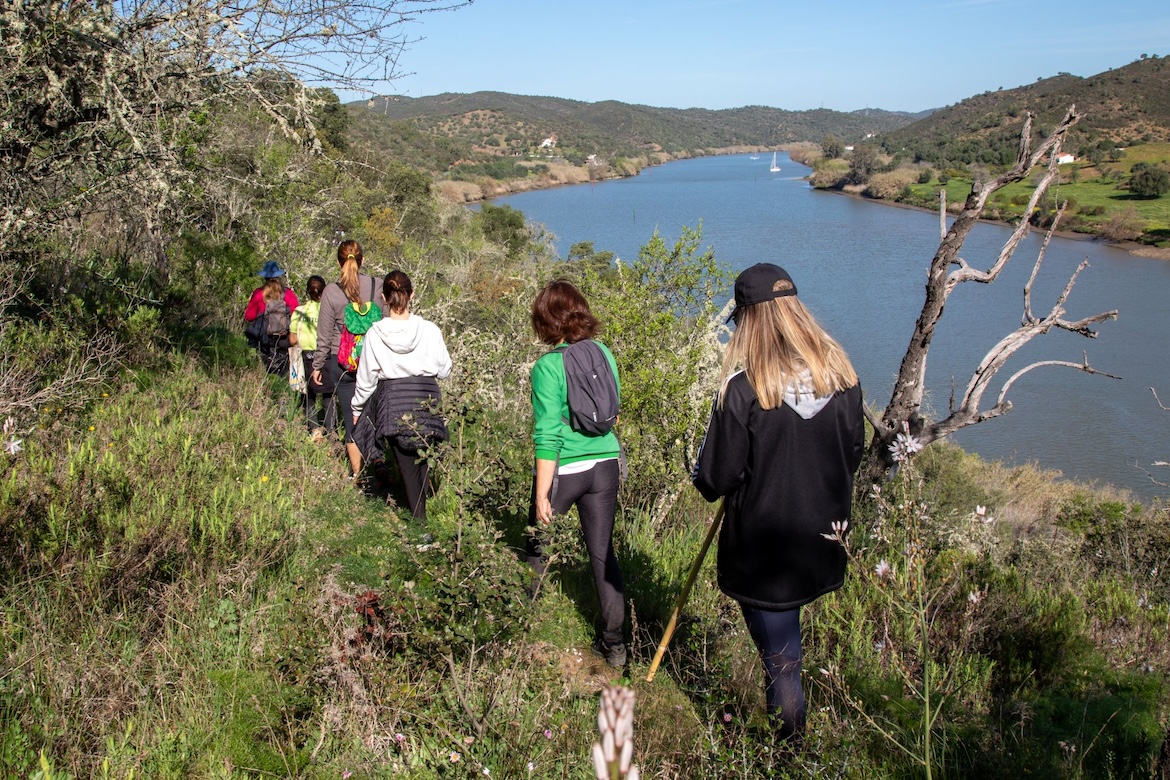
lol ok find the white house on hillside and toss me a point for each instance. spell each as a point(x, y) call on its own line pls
point(550, 142)
point(1065, 159)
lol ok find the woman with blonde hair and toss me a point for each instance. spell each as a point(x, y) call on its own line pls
point(784, 440)
point(276, 302)
point(352, 287)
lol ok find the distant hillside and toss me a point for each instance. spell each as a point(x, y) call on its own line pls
point(1121, 107)
point(496, 123)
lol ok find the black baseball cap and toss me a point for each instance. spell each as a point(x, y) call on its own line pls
point(759, 283)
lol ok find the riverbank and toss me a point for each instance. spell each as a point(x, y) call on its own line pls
point(562, 174)
point(1132, 247)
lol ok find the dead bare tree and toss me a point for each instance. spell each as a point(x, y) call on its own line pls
point(947, 271)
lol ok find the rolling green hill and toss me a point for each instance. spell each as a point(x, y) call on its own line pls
point(1120, 107)
point(496, 123)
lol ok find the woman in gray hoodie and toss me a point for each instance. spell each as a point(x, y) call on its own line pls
point(353, 287)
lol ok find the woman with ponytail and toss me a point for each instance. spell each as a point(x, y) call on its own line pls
point(353, 287)
point(402, 357)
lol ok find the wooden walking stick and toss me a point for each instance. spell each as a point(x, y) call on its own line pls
point(685, 593)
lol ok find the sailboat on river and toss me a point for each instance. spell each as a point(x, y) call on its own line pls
point(774, 167)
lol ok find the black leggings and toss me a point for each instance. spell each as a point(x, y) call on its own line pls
point(414, 479)
point(346, 388)
point(777, 635)
point(312, 413)
point(595, 494)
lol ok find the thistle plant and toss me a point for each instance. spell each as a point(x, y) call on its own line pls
point(612, 756)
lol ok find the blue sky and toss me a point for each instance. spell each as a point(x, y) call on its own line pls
point(903, 55)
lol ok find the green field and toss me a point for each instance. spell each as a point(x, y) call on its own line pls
point(1097, 199)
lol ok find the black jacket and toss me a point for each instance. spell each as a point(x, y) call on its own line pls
point(786, 478)
point(401, 411)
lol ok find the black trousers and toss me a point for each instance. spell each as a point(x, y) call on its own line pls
point(346, 388)
point(274, 355)
point(414, 479)
point(312, 413)
point(595, 494)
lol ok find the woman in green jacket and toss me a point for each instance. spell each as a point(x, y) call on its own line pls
point(574, 468)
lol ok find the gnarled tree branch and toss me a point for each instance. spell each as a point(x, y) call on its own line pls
point(947, 271)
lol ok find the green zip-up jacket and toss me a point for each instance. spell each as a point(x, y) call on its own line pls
point(555, 439)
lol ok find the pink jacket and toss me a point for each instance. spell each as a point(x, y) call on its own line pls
point(256, 303)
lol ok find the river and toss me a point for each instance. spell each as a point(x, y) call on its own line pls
point(861, 266)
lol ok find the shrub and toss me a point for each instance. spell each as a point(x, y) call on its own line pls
point(925, 175)
point(1123, 225)
point(887, 186)
point(657, 314)
point(1148, 181)
point(829, 173)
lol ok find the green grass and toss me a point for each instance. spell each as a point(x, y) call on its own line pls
point(1093, 199)
point(221, 602)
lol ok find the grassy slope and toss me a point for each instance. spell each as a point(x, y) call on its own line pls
point(1093, 198)
point(204, 595)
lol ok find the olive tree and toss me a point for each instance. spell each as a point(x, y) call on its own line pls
point(113, 97)
point(1148, 181)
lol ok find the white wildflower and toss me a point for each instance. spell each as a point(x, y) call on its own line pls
point(14, 445)
point(612, 756)
point(839, 528)
point(975, 596)
point(883, 569)
point(905, 445)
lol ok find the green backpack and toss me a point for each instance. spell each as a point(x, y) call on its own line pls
point(359, 318)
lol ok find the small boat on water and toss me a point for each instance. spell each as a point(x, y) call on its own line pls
point(774, 167)
point(753, 157)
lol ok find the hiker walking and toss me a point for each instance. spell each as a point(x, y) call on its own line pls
point(403, 356)
point(784, 440)
point(319, 400)
point(353, 287)
point(276, 302)
point(575, 467)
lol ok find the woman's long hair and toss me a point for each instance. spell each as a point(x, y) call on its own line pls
point(349, 257)
point(397, 289)
point(776, 342)
point(561, 313)
point(274, 288)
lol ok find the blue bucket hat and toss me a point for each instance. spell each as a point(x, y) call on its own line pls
point(271, 270)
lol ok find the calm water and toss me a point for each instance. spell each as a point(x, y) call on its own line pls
point(861, 268)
